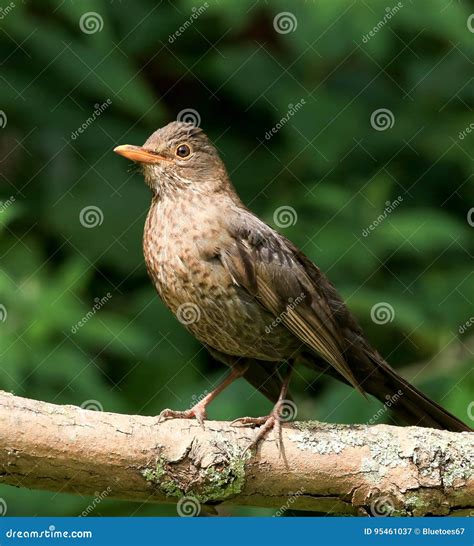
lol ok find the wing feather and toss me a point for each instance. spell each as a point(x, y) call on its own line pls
point(269, 267)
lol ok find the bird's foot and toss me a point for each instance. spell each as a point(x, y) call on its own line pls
point(266, 424)
point(198, 411)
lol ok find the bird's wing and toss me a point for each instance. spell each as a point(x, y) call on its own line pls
point(284, 281)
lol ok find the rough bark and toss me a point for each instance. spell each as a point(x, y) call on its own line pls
point(352, 470)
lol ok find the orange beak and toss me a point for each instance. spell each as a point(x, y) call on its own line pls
point(139, 154)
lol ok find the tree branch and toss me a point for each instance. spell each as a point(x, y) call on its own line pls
point(326, 468)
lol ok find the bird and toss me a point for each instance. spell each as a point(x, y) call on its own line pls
point(247, 293)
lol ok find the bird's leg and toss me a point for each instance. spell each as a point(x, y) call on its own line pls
point(199, 409)
point(274, 419)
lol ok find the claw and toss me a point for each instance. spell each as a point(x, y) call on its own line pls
point(253, 421)
point(197, 412)
point(267, 423)
point(271, 422)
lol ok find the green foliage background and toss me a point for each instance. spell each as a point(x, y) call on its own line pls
point(327, 162)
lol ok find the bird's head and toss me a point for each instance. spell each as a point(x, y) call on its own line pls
point(178, 157)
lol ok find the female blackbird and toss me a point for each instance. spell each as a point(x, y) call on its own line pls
point(246, 292)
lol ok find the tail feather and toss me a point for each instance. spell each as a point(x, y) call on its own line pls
point(377, 378)
point(414, 407)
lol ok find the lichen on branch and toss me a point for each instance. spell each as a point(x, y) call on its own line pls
point(337, 469)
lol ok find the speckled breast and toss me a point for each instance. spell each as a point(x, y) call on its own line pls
point(199, 291)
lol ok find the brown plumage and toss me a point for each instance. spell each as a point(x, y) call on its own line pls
point(227, 276)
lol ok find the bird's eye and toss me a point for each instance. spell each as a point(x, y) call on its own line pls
point(183, 150)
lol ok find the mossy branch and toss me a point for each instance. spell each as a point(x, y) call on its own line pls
point(352, 470)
